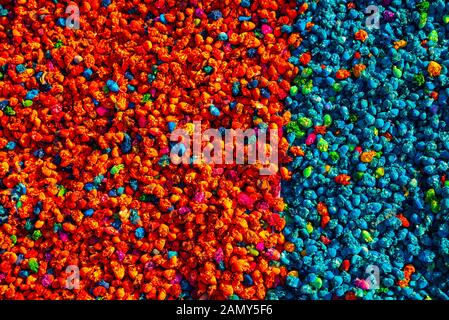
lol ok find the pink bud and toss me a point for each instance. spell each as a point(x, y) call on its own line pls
point(142, 122)
point(310, 139)
point(63, 236)
point(102, 111)
point(362, 284)
point(266, 29)
point(245, 200)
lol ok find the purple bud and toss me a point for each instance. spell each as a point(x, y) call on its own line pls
point(199, 197)
point(46, 281)
point(120, 255)
point(47, 257)
point(389, 15)
point(184, 210)
point(199, 12)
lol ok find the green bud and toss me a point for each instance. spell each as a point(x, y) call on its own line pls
point(379, 172)
point(419, 79)
point(309, 227)
point(62, 191)
point(337, 87)
point(9, 111)
point(423, 6)
point(322, 145)
point(307, 172)
point(146, 97)
point(366, 236)
point(359, 175)
point(306, 89)
point(115, 169)
point(306, 72)
point(305, 122)
point(430, 195)
point(27, 103)
point(33, 265)
point(359, 293)
point(294, 127)
point(36, 235)
point(433, 36)
point(300, 133)
point(327, 120)
point(58, 44)
point(253, 252)
point(434, 206)
point(422, 20)
point(397, 72)
point(334, 156)
point(293, 90)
